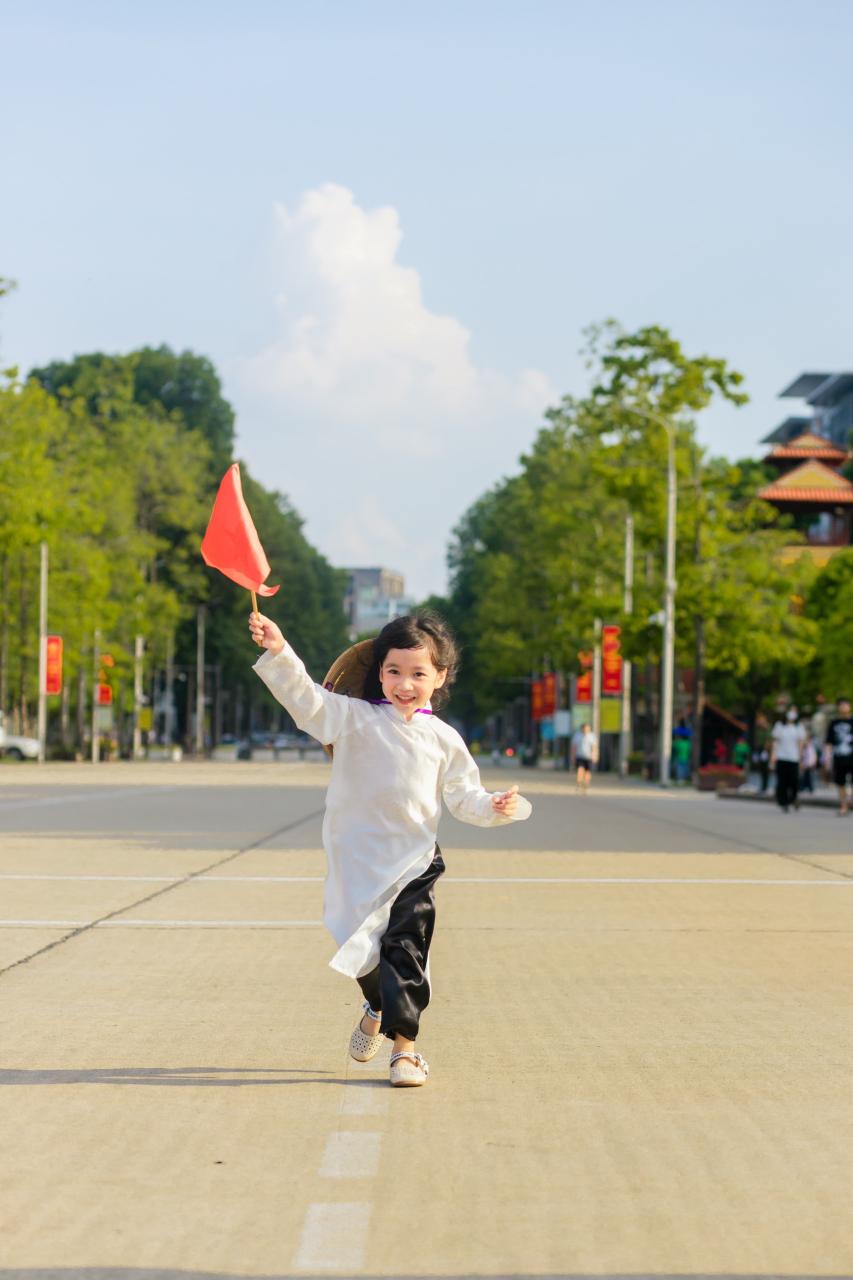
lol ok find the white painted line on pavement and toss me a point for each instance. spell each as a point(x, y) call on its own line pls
point(214, 879)
point(209, 924)
point(161, 924)
point(148, 879)
point(43, 924)
point(7, 805)
point(351, 1155)
point(631, 880)
point(265, 879)
point(334, 1238)
point(365, 1100)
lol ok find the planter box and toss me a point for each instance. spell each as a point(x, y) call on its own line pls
point(719, 779)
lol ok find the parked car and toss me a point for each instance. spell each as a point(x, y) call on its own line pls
point(16, 746)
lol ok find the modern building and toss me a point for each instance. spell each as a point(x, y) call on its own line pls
point(829, 397)
point(372, 598)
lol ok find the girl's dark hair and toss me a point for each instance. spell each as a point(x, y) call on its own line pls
point(423, 629)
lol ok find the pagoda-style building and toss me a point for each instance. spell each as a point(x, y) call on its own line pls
point(810, 487)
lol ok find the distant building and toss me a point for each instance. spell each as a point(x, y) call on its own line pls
point(808, 455)
point(830, 400)
point(372, 598)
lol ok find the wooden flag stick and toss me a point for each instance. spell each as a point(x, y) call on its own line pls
point(254, 604)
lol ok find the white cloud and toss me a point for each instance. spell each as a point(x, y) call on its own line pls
point(365, 406)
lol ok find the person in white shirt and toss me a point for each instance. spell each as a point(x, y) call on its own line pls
point(585, 752)
point(788, 738)
point(393, 762)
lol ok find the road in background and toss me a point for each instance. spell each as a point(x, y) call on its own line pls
point(640, 1038)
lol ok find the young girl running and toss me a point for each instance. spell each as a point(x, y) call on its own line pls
point(393, 762)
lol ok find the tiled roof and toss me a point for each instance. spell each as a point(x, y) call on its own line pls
point(808, 445)
point(812, 481)
point(789, 493)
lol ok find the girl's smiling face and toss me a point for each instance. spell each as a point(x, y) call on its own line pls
point(409, 678)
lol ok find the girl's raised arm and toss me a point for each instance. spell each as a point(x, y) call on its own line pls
point(326, 716)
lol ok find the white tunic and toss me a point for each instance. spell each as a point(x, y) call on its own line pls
point(383, 803)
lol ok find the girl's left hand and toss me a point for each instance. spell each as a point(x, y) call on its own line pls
point(506, 803)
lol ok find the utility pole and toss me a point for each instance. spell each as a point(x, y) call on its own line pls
point(42, 704)
point(668, 656)
point(628, 609)
point(96, 668)
point(199, 682)
point(169, 726)
point(139, 650)
point(596, 685)
point(668, 615)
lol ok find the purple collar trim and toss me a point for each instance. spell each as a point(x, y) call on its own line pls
point(386, 702)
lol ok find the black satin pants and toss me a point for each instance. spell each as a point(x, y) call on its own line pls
point(398, 985)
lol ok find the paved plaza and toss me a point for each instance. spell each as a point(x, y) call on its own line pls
point(641, 1039)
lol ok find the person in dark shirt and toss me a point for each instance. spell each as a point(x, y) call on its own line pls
point(839, 740)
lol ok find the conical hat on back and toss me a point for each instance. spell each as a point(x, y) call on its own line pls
point(348, 672)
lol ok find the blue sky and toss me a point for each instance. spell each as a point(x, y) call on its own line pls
point(388, 224)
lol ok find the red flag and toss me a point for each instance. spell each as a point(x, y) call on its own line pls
point(231, 543)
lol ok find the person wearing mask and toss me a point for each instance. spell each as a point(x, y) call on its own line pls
point(788, 738)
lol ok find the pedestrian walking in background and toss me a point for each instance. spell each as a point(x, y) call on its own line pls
point(761, 760)
point(761, 754)
point(741, 753)
point(393, 762)
point(585, 755)
point(682, 751)
point(788, 738)
point(808, 763)
point(839, 745)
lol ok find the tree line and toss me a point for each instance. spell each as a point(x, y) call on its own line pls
point(540, 556)
point(113, 461)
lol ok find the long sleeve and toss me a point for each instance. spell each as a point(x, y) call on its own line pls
point(465, 796)
point(326, 716)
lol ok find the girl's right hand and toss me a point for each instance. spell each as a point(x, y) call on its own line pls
point(265, 633)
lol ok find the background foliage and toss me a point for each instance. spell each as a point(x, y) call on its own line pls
point(114, 461)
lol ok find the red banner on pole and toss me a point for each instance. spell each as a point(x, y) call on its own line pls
point(611, 662)
point(543, 696)
point(104, 696)
point(549, 693)
point(53, 664)
point(583, 684)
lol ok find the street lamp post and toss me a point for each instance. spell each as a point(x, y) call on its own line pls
point(628, 607)
point(668, 615)
point(668, 656)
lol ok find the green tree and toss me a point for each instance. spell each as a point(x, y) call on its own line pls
point(540, 556)
point(185, 384)
point(829, 605)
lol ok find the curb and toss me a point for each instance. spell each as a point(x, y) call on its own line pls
point(814, 802)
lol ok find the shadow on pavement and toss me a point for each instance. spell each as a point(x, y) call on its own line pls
point(206, 1077)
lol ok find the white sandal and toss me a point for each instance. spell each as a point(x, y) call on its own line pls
point(363, 1047)
point(408, 1069)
